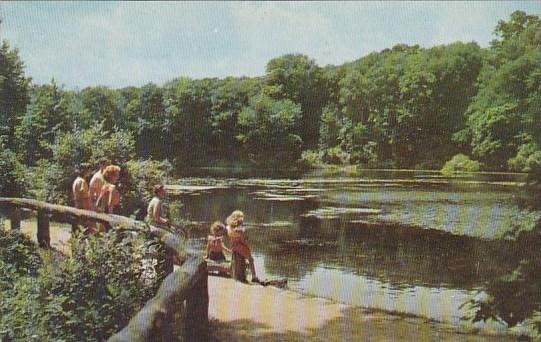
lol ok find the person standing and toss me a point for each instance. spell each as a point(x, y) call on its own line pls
point(97, 181)
point(240, 248)
point(80, 191)
point(109, 197)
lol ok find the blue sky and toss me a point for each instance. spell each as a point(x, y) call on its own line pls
point(119, 44)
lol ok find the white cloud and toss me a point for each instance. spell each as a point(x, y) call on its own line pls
point(132, 43)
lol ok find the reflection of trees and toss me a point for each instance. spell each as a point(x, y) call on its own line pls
point(390, 253)
point(516, 295)
point(399, 254)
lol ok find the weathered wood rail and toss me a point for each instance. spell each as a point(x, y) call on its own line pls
point(188, 284)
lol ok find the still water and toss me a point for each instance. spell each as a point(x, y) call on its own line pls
point(408, 242)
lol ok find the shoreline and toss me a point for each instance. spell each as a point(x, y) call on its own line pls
point(244, 312)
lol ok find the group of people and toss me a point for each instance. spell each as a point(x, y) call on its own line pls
point(239, 248)
point(101, 194)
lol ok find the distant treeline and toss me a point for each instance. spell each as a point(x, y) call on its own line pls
point(407, 107)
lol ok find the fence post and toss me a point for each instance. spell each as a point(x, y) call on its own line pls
point(44, 236)
point(15, 218)
point(197, 311)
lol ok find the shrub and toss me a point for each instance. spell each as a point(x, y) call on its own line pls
point(335, 155)
point(460, 163)
point(18, 252)
point(52, 178)
point(528, 158)
point(87, 297)
point(13, 175)
point(136, 184)
point(310, 158)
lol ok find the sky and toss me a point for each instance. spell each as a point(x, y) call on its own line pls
point(119, 44)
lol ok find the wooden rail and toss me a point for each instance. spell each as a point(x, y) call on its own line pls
point(186, 284)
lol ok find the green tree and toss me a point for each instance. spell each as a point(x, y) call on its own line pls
point(13, 92)
point(188, 106)
point(268, 131)
point(229, 97)
point(53, 177)
point(146, 118)
point(300, 80)
point(48, 114)
point(100, 104)
point(505, 113)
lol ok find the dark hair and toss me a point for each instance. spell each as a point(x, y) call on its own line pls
point(157, 188)
point(104, 162)
point(82, 168)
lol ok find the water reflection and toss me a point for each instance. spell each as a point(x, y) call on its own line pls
point(427, 252)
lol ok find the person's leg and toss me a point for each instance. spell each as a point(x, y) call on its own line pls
point(252, 269)
point(238, 267)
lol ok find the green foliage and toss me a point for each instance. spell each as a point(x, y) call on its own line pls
point(69, 149)
point(311, 158)
point(268, 133)
point(137, 184)
point(299, 79)
point(13, 92)
point(14, 178)
point(18, 252)
point(460, 163)
point(48, 115)
point(528, 158)
point(506, 109)
point(329, 130)
point(516, 296)
point(87, 297)
point(335, 155)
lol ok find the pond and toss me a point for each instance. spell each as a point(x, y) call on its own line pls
point(409, 242)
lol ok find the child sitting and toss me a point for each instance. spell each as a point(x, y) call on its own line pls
point(216, 248)
point(239, 245)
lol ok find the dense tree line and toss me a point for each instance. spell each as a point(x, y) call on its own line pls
point(405, 106)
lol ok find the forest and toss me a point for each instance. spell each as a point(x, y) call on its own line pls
point(402, 107)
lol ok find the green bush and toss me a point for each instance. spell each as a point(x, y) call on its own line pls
point(528, 158)
point(13, 175)
point(335, 155)
point(18, 252)
point(460, 163)
point(87, 297)
point(310, 158)
point(52, 178)
point(136, 184)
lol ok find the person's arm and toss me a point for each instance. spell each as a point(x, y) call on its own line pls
point(225, 248)
point(110, 204)
point(208, 248)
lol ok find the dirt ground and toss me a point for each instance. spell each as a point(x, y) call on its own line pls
point(242, 313)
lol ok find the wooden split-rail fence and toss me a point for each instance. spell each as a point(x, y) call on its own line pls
point(186, 286)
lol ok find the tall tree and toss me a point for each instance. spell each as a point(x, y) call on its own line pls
point(300, 80)
point(505, 114)
point(13, 92)
point(48, 114)
point(268, 131)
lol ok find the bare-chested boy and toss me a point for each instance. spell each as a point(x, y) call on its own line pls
point(81, 194)
point(97, 181)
